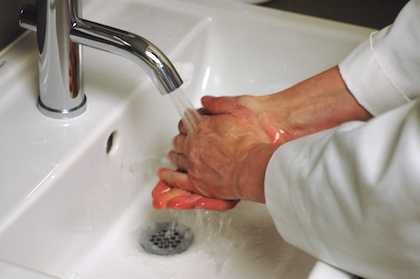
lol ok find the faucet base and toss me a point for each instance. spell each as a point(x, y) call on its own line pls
point(62, 114)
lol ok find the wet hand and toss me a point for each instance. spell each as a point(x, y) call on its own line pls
point(225, 159)
point(166, 196)
point(316, 104)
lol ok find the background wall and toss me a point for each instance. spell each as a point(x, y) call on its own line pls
point(9, 16)
point(369, 13)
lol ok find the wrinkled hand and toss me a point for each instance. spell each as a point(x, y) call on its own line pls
point(318, 103)
point(166, 196)
point(223, 162)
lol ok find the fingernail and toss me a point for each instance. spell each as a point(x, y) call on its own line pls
point(161, 172)
point(207, 98)
point(157, 204)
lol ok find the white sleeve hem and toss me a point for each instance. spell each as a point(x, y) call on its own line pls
point(349, 195)
point(360, 69)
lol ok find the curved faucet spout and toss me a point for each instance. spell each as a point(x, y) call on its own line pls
point(131, 46)
point(61, 32)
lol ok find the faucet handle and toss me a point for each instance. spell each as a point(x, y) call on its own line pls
point(28, 17)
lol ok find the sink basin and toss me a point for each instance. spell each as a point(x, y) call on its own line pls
point(75, 194)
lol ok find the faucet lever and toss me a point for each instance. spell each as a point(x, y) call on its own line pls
point(28, 17)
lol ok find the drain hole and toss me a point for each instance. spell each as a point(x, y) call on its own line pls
point(166, 239)
point(111, 144)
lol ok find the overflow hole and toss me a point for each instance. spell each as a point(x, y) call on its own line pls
point(111, 143)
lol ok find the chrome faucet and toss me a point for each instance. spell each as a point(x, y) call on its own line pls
point(61, 32)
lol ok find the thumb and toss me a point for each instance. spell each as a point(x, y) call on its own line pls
point(220, 105)
point(176, 179)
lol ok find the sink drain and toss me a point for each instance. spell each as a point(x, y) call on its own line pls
point(166, 239)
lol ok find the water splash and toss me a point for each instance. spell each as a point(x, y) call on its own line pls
point(186, 111)
point(213, 230)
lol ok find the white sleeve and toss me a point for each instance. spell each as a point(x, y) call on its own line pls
point(350, 196)
point(383, 72)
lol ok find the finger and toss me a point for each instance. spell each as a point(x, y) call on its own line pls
point(176, 179)
point(178, 143)
point(160, 188)
point(215, 204)
point(202, 111)
point(196, 201)
point(191, 117)
point(220, 105)
point(165, 196)
point(184, 202)
point(182, 128)
point(163, 201)
point(179, 160)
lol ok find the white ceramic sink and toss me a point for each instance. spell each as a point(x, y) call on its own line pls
point(70, 209)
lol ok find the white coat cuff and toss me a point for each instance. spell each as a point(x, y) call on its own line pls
point(286, 204)
point(368, 82)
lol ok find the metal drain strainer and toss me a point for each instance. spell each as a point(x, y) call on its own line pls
point(166, 239)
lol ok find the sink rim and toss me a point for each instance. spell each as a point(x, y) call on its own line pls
point(60, 167)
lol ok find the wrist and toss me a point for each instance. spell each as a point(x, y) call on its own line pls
point(316, 104)
point(251, 181)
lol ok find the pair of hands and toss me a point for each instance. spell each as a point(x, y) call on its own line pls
point(219, 164)
point(225, 160)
